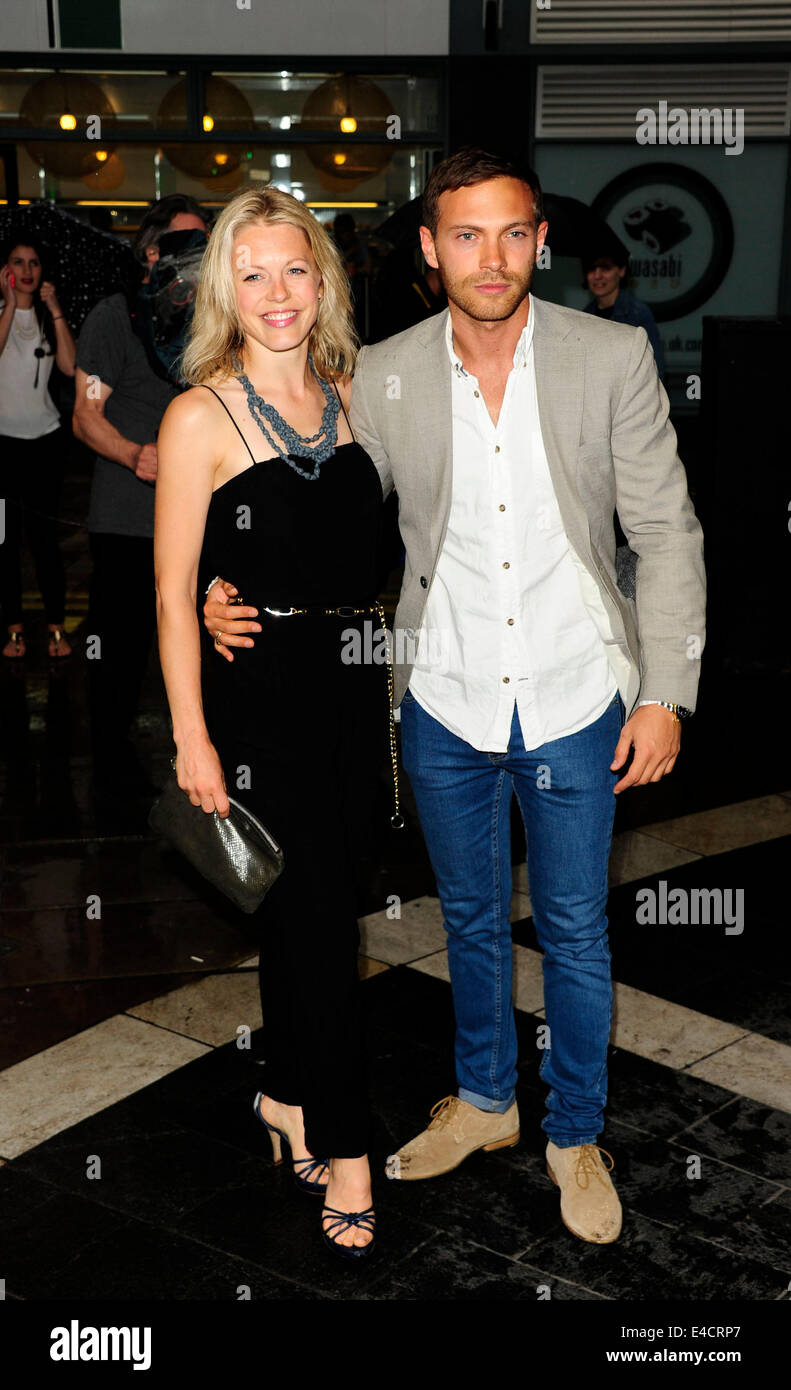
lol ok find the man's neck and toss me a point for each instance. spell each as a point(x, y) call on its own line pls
point(491, 344)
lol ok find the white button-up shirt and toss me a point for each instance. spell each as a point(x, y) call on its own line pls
point(505, 620)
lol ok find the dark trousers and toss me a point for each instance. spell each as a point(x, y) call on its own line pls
point(122, 613)
point(316, 790)
point(30, 477)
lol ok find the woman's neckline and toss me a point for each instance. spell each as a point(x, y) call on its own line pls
point(275, 459)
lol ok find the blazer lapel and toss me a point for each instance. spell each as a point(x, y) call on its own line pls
point(560, 367)
point(429, 386)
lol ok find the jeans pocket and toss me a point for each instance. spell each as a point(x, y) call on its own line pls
point(407, 698)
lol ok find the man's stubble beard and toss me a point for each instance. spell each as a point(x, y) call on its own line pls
point(462, 294)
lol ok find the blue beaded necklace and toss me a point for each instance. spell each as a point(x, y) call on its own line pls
point(297, 444)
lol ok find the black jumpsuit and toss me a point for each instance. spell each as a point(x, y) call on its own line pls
point(301, 734)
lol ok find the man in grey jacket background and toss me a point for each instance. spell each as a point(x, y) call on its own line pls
point(512, 430)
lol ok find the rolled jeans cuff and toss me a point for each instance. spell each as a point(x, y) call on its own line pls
point(495, 1107)
point(572, 1141)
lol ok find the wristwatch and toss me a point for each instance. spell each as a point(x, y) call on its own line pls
point(678, 711)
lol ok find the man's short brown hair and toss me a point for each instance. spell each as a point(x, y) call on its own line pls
point(472, 166)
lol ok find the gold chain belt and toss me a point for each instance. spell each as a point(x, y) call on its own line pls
point(396, 820)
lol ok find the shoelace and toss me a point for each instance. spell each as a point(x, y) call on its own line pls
point(443, 1111)
point(588, 1162)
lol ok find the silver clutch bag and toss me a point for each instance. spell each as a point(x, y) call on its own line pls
point(236, 854)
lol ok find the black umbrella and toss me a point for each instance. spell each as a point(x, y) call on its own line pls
point(86, 264)
point(576, 230)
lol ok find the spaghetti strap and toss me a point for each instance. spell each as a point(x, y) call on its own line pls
point(343, 408)
point(233, 422)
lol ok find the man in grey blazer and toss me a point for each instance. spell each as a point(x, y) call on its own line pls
point(512, 429)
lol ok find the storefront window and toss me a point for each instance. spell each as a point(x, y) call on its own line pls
point(116, 193)
point(360, 141)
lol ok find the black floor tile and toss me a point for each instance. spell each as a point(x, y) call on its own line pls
point(722, 1204)
point(139, 1261)
point(411, 1005)
point(62, 874)
point(271, 1224)
point(43, 1228)
point(651, 1261)
point(502, 1200)
point(154, 1174)
point(658, 1099)
point(61, 944)
point(447, 1267)
point(748, 999)
point(748, 1135)
point(743, 978)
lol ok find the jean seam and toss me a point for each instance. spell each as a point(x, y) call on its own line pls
point(498, 967)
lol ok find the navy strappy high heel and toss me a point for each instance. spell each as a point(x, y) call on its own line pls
point(307, 1171)
point(342, 1221)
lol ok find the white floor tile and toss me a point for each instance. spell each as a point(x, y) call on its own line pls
point(398, 940)
point(754, 1066)
point(83, 1075)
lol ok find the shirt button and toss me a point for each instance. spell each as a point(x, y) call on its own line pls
point(476, 393)
point(510, 622)
point(497, 448)
point(502, 506)
point(506, 679)
point(506, 564)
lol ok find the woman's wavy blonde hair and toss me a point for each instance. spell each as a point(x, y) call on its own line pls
point(216, 335)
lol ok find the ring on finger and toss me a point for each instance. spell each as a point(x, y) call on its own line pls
point(218, 638)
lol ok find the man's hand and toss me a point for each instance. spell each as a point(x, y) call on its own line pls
point(655, 735)
point(146, 463)
point(218, 620)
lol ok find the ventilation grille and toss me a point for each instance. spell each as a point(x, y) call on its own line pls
point(577, 103)
point(661, 21)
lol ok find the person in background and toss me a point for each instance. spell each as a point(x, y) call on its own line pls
point(352, 249)
point(605, 276)
point(407, 290)
point(122, 392)
point(34, 333)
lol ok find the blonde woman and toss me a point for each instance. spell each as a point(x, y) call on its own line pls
point(260, 477)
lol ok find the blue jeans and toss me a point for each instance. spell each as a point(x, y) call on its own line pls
point(565, 794)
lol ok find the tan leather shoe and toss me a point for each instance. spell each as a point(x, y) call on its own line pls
point(457, 1129)
point(589, 1205)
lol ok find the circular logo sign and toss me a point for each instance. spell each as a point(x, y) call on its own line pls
point(678, 231)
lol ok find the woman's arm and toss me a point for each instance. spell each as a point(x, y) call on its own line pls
point(187, 462)
point(65, 351)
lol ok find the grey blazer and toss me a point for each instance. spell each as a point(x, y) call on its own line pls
point(609, 443)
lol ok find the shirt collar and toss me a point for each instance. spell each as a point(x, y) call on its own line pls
point(521, 351)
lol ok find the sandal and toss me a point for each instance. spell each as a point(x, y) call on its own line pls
point(307, 1171)
point(342, 1222)
point(17, 640)
point(56, 635)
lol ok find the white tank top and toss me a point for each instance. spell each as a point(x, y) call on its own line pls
point(26, 411)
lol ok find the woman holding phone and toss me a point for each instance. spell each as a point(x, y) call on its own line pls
point(260, 476)
point(34, 334)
